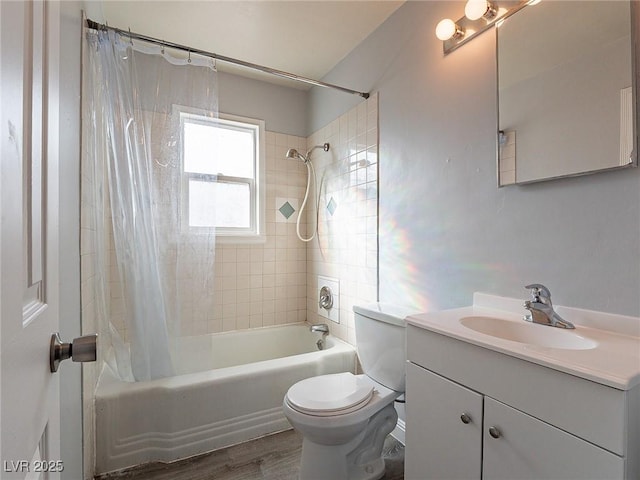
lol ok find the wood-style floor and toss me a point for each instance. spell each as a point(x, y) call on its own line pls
point(275, 457)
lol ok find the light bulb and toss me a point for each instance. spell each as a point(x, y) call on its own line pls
point(474, 9)
point(446, 29)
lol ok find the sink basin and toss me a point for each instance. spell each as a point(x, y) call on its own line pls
point(528, 333)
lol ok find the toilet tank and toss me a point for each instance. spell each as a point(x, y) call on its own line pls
point(381, 342)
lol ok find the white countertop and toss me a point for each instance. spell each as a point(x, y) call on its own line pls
point(615, 361)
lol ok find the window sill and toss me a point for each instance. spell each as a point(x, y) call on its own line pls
point(240, 239)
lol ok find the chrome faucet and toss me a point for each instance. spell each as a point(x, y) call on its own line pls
point(320, 327)
point(541, 308)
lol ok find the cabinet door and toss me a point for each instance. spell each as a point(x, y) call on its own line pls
point(528, 448)
point(439, 444)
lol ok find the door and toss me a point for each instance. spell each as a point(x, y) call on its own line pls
point(29, 392)
point(444, 428)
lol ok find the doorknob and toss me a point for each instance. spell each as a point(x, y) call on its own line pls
point(81, 349)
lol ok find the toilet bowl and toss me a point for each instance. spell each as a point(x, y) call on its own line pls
point(345, 418)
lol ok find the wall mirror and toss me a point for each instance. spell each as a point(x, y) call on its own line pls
point(566, 90)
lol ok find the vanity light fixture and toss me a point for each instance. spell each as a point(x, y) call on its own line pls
point(479, 16)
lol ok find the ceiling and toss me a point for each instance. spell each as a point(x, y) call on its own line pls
point(307, 38)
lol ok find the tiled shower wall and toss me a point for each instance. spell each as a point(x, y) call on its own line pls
point(276, 282)
point(257, 285)
point(347, 245)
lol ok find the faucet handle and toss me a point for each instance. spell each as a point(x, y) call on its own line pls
point(539, 293)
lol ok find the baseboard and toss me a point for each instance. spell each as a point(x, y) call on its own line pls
point(399, 432)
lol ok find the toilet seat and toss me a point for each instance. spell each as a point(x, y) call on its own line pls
point(330, 395)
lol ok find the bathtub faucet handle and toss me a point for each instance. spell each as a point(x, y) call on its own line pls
point(326, 298)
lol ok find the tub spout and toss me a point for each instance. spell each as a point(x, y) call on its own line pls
point(320, 327)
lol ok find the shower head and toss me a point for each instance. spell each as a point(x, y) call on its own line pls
point(293, 153)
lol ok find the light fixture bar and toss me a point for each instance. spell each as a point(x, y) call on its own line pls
point(472, 28)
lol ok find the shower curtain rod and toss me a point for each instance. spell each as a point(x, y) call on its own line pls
point(222, 58)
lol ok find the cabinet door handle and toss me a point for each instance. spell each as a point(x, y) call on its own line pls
point(494, 432)
point(465, 418)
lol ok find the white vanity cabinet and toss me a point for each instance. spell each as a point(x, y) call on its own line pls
point(473, 413)
point(450, 435)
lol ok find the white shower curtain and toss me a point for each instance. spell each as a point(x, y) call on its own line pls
point(151, 271)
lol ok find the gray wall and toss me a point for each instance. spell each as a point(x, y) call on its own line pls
point(446, 231)
point(282, 108)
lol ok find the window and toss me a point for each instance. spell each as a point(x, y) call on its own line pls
point(223, 174)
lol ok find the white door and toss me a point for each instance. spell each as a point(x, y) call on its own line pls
point(29, 392)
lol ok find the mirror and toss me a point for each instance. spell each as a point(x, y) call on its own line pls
point(566, 104)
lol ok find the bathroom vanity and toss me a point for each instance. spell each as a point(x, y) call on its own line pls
point(491, 396)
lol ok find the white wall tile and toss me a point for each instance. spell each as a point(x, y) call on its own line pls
point(346, 247)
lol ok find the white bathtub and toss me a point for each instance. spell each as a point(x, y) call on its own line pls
point(229, 389)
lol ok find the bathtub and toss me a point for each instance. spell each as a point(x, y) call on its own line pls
point(229, 389)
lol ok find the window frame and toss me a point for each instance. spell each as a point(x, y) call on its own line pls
point(255, 233)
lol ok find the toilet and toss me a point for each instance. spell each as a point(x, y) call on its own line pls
point(345, 418)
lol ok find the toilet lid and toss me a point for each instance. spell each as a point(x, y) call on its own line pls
point(330, 394)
